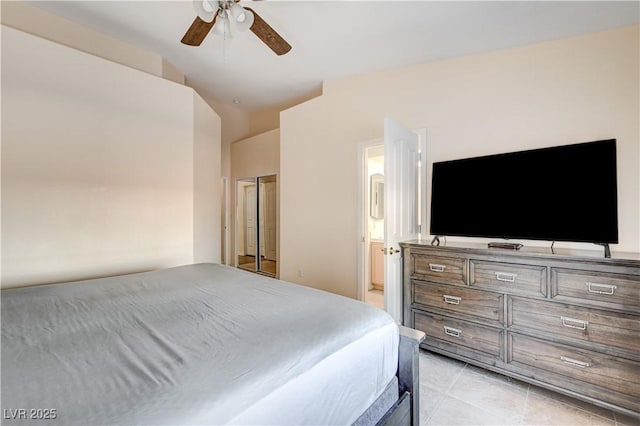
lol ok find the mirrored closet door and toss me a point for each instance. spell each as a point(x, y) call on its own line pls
point(256, 224)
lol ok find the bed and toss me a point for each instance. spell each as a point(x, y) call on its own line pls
point(201, 344)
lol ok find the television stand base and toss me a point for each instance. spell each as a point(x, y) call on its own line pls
point(607, 250)
point(507, 246)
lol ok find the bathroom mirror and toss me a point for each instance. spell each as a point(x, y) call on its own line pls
point(376, 197)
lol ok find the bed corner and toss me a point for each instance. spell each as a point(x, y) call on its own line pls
point(408, 368)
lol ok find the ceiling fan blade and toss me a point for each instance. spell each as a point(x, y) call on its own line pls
point(197, 31)
point(268, 35)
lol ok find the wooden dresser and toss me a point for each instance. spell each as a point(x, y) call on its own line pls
point(567, 320)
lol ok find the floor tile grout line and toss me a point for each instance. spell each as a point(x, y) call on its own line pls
point(489, 379)
point(588, 412)
point(566, 403)
point(491, 376)
point(466, 402)
point(610, 416)
point(526, 404)
point(455, 379)
point(576, 407)
point(435, 408)
point(443, 394)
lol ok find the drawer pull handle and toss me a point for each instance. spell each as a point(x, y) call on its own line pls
point(452, 300)
point(450, 331)
point(574, 323)
point(436, 267)
point(506, 277)
point(574, 362)
point(596, 288)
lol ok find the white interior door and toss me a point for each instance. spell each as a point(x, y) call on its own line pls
point(401, 155)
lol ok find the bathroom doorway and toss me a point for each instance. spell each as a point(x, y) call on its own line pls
point(380, 217)
point(373, 224)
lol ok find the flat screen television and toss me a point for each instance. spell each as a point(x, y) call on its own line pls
point(562, 193)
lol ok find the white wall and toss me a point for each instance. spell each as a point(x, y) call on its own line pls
point(566, 91)
point(98, 170)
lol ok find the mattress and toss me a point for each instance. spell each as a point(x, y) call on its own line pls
point(196, 344)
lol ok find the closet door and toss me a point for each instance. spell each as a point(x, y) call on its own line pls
point(257, 224)
point(268, 211)
point(246, 223)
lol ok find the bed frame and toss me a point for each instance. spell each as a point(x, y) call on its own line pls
point(399, 404)
point(408, 369)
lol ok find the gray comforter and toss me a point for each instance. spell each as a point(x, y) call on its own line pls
point(198, 344)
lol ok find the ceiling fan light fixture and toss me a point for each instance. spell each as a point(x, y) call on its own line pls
point(221, 26)
point(206, 9)
point(222, 16)
point(247, 22)
point(238, 12)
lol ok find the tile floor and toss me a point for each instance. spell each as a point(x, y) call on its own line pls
point(455, 393)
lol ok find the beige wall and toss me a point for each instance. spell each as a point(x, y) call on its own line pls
point(237, 123)
point(235, 126)
point(207, 215)
point(262, 121)
point(32, 20)
point(98, 168)
point(567, 91)
point(255, 156)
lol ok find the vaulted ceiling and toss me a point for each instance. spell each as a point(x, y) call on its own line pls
point(331, 39)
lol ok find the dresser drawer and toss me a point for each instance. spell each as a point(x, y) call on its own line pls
point(473, 337)
point(616, 291)
point(525, 280)
point(575, 322)
point(440, 269)
point(582, 367)
point(459, 300)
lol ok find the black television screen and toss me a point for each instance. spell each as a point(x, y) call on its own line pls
point(563, 193)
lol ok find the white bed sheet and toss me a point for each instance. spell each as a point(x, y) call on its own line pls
point(199, 344)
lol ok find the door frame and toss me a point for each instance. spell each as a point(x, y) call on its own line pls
point(225, 231)
point(237, 225)
point(363, 237)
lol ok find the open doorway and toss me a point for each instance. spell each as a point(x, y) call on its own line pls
point(373, 224)
point(391, 206)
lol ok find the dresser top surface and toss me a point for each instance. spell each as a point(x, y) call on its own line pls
point(542, 252)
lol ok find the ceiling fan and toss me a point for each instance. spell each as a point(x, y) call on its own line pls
point(219, 14)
